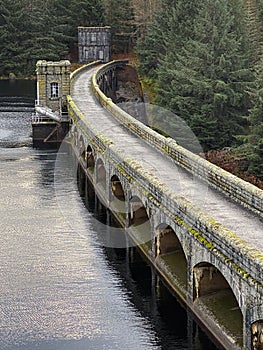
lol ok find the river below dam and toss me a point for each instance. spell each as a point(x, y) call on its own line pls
point(61, 288)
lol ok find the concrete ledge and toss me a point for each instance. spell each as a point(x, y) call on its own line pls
point(237, 189)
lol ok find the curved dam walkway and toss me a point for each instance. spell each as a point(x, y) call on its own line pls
point(241, 221)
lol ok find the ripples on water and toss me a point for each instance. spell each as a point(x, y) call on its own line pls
point(60, 289)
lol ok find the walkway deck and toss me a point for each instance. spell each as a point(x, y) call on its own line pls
point(239, 220)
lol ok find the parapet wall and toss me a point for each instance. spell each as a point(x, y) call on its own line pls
point(206, 239)
point(213, 235)
point(237, 189)
point(82, 69)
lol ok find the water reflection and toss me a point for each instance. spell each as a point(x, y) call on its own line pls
point(57, 291)
point(174, 326)
point(60, 288)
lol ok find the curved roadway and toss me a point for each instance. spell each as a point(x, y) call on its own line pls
point(247, 225)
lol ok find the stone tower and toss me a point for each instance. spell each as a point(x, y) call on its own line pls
point(53, 84)
point(94, 44)
point(50, 123)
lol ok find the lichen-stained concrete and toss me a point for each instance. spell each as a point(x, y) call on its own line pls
point(239, 220)
point(215, 233)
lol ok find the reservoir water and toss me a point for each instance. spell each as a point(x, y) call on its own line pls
point(60, 287)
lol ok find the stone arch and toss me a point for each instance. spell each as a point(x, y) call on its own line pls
point(212, 289)
point(208, 260)
point(117, 190)
point(139, 221)
point(257, 335)
point(208, 279)
point(137, 214)
point(168, 249)
point(166, 240)
point(90, 159)
point(117, 198)
point(100, 173)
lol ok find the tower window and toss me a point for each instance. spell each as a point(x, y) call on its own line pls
point(54, 90)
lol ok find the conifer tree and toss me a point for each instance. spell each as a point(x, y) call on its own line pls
point(11, 35)
point(43, 40)
point(36, 29)
point(254, 141)
point(204, 79)
point(27, 34)
point(87, 12)
point(120, 16)
point(70, 15)
point(153, 44)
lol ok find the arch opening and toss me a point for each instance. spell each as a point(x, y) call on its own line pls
point(257, 335)
point(117, 198)
point(212, 291)
point(169, 251)
point(90, 159)
point(139, 222)
point(138, 214)
point(101, 174)
point(117, 189)
point(166, 240)
point(208, 279)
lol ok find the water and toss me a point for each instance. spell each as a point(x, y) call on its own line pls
point(17, 95)
point(60, 288)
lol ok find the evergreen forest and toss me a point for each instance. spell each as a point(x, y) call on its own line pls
point(201, 59)
point(204, 59)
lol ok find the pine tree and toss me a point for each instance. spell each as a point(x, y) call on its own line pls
point(32, 29)
point(120, 16)
point(27, 34)
point(253, 141)
point(153, 44)
point(69, 15)
point(87, 12)
point(11, 35)
point(204, 79)
point(43, 40)
point(254, 145)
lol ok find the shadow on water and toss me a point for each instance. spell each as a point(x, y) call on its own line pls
point(17, 95)
point(175, 327)
point(16, 88)
point(17, 100)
